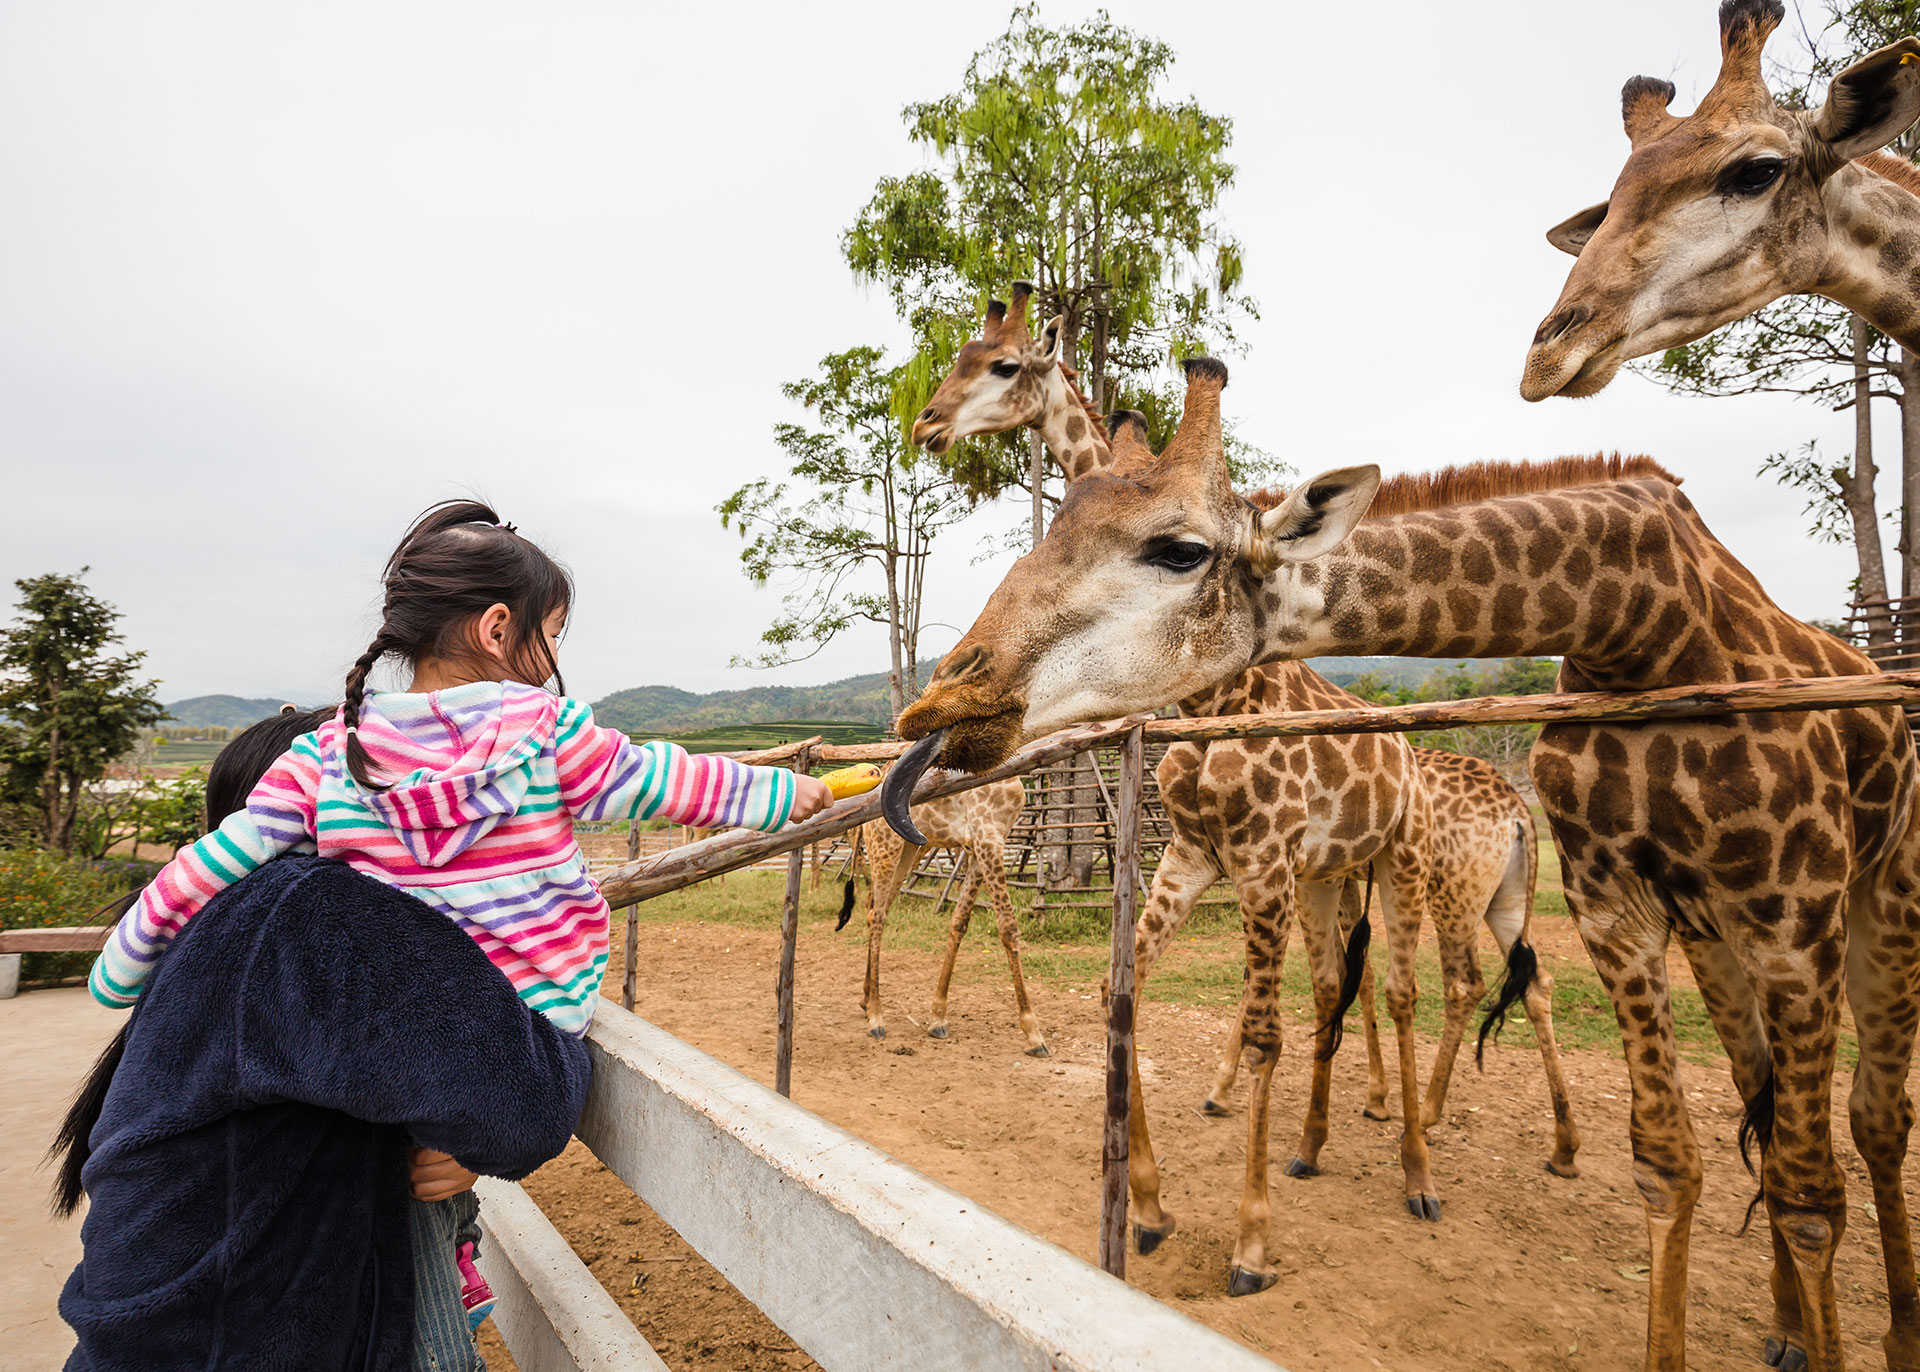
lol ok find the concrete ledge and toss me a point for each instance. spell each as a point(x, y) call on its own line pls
point(864, 1262)
point(553, 1314)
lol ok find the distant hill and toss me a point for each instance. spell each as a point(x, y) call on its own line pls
point(1392, 671)
point(232, 712)
point(653, 711)
point(662, 711)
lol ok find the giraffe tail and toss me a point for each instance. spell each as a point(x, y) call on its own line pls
point(1522, 966)
point(846, 907)
point(1356, 966)
point(1756, 1136)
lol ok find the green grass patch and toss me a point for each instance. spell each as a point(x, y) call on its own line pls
point(734, 738)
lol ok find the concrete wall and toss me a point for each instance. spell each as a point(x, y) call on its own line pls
point(864, 1262)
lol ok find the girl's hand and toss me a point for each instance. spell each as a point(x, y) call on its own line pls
point(437, 1176)
point(810, 797)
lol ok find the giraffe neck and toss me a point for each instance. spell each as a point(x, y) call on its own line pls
point(1873, 258)
point(1078, 444)
point(1615, 578)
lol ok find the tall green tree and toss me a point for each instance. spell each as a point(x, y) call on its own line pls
point(867, 510)
point(68, 707)
point(1060, 161)
point(1812, 347)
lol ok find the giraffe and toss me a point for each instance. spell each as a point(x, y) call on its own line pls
point(1779, 851)
point(1721, 211)
point(1327, 808)
point(976, 823)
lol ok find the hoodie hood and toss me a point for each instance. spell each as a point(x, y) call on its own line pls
point(458, 761)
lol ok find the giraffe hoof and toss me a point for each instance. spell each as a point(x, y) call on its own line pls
point(1300, 1167)
point(877, 1031)
point(1242, 1282)
point(1373, 1114)
point(1783, 1355)
point(936, 1031)
point(1563, 1169)
point(1424, 1207)
point(1147, 1237)
point(1039, 1050)
point(1214, 1108)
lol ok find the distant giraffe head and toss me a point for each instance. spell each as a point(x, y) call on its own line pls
point(1007, 379)
point(1719, 212)
point(1152, 572)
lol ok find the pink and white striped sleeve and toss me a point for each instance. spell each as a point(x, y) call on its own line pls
point(605, 775)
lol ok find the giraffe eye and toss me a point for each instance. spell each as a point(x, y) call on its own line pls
point(1180, 556)
point(1005, 369)
point(1752, 177)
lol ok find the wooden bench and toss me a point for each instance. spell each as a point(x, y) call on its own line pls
point(14, 942)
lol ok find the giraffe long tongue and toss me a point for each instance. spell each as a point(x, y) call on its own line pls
point(897, 790)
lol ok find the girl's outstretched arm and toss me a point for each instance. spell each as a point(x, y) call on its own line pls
point(605, 775)
point(279, 816)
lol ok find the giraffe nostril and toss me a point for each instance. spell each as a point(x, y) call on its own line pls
point(928, 413)
point(1565, 322)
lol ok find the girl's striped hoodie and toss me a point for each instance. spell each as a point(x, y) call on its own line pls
point(487, 780)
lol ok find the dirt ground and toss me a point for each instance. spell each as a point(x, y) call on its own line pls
point(1525, 1270)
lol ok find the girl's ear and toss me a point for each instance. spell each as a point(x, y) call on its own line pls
point(491, 633)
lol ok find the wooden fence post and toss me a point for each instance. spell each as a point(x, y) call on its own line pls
point(1126, 904)
point(789, 938)
point(633, 929)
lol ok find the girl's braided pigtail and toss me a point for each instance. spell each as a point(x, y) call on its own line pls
point(358, 764)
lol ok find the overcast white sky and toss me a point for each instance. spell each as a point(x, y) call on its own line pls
point(275, 277)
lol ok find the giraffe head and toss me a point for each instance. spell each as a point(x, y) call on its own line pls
point(999, 380)
point(1716, 213)
point(1145, 589)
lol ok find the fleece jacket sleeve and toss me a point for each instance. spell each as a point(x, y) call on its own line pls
point(384, 1009)
point(605, 775)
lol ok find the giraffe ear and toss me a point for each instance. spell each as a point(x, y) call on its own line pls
point(1570, 236)
point(1868, 105)
point(1315, 519)
point(1047, 347)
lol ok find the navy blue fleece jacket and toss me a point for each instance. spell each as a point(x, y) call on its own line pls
point(248, 1181)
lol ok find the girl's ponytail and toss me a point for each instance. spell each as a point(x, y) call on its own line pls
point(358, 763)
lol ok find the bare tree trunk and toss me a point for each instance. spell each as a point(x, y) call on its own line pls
point(1857, 489)
point(896, 681)
point(1909, 471)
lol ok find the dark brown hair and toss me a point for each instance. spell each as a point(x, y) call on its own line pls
point(457, 561)
point(234, 774)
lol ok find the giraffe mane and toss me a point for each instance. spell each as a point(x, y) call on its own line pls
point(1073, 389)
point(1895, 169)
point(1411, 492)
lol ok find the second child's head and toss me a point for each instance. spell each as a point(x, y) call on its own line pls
point(467, 599)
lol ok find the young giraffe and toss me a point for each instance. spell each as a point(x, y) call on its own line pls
point(1327, 808)
point(1737, 204)
point(1780, 851)
point(976, 823)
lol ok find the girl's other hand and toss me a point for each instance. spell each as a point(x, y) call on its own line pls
point(811, 796)
point(437, 1176)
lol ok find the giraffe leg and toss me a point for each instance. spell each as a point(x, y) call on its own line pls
point(1319, 909)
point(1151, 1224)
point(1265, 909)
point(1460, 973)
point(883, 883)
point(1185, 872)
point(994, 867)
point(1218, 1101)
point(1403, 903)
point(1629, 954)
point(956, 933)
point(1730, 1005)
point(1881, 990)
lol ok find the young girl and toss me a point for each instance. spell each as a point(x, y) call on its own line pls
point(463, 790)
